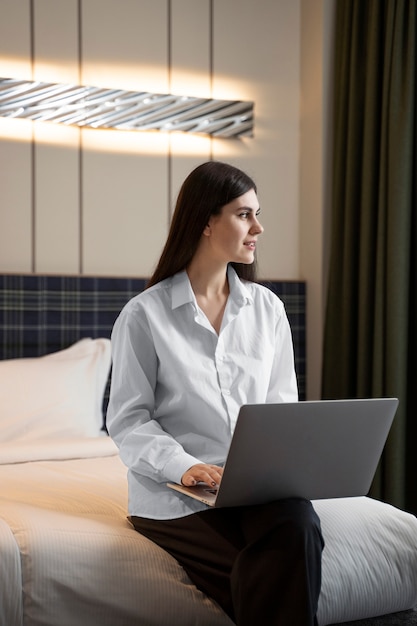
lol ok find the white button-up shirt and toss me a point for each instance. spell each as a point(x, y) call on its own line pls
point(177, 385)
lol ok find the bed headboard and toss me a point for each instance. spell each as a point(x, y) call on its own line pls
point(43, 314)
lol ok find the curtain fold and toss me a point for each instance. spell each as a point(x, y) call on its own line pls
point(370, 336)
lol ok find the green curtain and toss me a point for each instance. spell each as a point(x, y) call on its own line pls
point(370, 337)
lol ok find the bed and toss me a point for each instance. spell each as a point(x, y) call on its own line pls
point(68, 554)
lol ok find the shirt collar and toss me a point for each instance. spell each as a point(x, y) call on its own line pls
point(238, 290)
point(182, 292)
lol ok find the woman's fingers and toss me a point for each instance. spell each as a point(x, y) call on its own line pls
point(205, 473)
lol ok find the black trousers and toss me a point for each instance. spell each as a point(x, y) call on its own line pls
point(262, 564)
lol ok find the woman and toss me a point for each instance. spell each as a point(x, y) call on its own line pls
point(199, 342)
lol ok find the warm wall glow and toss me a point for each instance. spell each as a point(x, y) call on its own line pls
point(189, 145)
point(147, 78)
point(26, 130)
point(17, 67)
point(127, 76)
point(54, 73)
point(229, 149)
point(153, 143)
point(17, 130)
point(230, 88)
point(56, 135)
point(185, 83)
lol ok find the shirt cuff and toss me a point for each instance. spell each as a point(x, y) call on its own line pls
point(178, 465)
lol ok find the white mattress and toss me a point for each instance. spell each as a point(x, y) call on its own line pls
point(69, 556)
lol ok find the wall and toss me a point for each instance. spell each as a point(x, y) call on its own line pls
point(315, 171)
point(99, 202)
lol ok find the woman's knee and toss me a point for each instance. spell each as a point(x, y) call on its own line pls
point(300, 518)
point(293, 517)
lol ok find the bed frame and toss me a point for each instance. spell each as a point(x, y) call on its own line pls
point(40, 314)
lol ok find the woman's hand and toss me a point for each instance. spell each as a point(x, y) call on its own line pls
point(210, 474)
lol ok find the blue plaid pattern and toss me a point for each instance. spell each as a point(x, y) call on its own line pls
point(43, 314)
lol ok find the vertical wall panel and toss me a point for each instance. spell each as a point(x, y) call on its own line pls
point(125, 202)
point(125, 178)
point(15, 144)
point(317, 56)
point(56, 191)
point(187, 151)
point(190, 74)
point(256, 57)
point(190, 48)
point(15, 42)
point(124, 44)
point(55, 32)
point(15, 196)
point(57, 223)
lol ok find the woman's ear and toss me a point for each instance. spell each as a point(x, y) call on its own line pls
point(207, 230)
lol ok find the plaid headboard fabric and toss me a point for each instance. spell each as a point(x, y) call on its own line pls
point(43, 314)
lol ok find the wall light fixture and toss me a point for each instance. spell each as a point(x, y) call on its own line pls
point(96, 107)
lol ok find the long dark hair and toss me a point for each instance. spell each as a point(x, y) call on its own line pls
point(204, 192)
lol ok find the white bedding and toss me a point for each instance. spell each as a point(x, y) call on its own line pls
point(10, 578)
point(81, 563)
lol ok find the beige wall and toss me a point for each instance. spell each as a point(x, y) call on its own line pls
point(315, 170)
point(99, 202)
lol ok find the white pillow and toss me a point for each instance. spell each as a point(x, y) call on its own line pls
point(54, 396)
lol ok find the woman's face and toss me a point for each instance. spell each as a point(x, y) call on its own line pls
point(232, 235)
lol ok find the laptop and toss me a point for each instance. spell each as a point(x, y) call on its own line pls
point(312, 449)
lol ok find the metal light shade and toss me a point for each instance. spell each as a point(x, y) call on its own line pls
point(96, 107)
